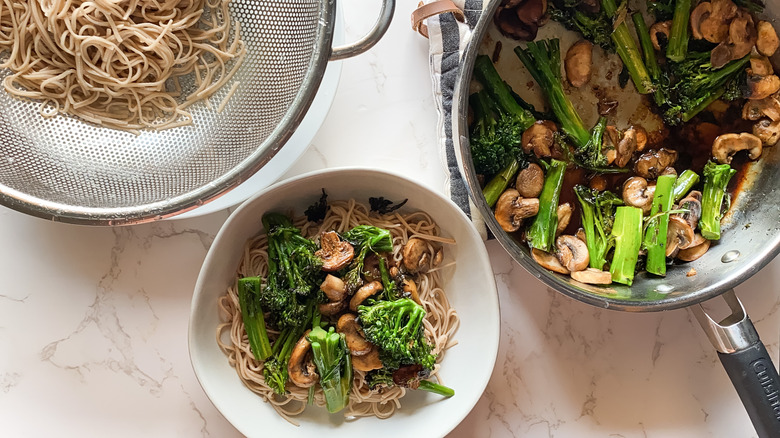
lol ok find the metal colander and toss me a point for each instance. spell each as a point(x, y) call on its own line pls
point(64, 169)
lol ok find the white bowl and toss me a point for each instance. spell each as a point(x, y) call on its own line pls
point(470, 287)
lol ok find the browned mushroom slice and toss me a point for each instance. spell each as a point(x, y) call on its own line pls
point(334, 252)
point(653, 162)
point(539, 139)
point(761, 87)
point(516, 20)
point(564, 213)
point(698, 248)
point(363, 293)
point(598, 182)
point(592, 276)
point(572, 253)
point(760, 65)
point(756, 109)
point(548, 261)
point(415, 255)
point(367, 362)
point(660, 32)
point(332, 308)
point(742, 35)
point(300, 369)
point(679, 235)
point(692, 206)
point(767, 42)
point(725, 146)
point(641, 138)
point(334, 288)
point(638, 193)
point(768, 131)
point(578, 62)
point(715, 27)
point(721, 55)
point(532, 12)
point(698, 15)
point(353, 334)
point(530, 181)
point(512, 208)
point(626, 147)
point(410, 288)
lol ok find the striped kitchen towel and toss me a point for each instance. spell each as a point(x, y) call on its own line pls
point(448, 25)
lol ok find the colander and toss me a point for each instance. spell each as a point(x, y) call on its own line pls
point(64, 169)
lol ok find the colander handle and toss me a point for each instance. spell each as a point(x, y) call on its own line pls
point(747, 363)
point(368, 41)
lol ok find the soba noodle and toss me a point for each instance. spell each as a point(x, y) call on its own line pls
point(118, 63)
point(441, 321)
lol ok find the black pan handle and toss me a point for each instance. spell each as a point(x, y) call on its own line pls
point(747, 363)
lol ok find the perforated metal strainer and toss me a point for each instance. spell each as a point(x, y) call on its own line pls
point(64, 169)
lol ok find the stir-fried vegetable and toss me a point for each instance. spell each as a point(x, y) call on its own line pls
point(598, 216)
point(627, 233)
point(678, 36)
point(364, 238)
point(684, 184)
point(541, 233)
point(716, 180)
point(252, 314)
point(334, 366)
point(658, 224)
point(627, 50)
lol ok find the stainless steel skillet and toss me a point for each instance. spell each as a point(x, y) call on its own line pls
point(750, 240)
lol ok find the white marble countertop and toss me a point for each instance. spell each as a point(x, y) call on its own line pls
point(93, 321)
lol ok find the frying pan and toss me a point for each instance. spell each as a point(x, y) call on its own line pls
point(750, 239)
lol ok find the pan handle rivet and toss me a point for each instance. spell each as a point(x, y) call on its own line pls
point(730, 256)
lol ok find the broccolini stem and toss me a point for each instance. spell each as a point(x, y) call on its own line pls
point(499, 183)
point(655, 236)
point(627, 232)
point(501, 93)
point(678, 36)
point(627, 50)
point(651, 62)
point(427, 385)
point(719, 78)
point(716, 180)
point(252, 315)
point(541, 233)
point(543, 61)
point(684, 184)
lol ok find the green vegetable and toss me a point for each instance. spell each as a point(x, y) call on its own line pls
point(684, 184)
point(663, 10)
point(658, 225)
point(275, 367)
point(594, 27)
point(626, 47)
point(294, 272)
point(543, 61)
point(499, 183)
point(541, 233)
point(591, 156)
point(651, 62)
point(384, 376)
point(427, 385)
point(252, 315)
point(678, 36)
point(598, 216)
point(627, 233)
point(716, 180)
point(334, 365)
point(396, 327)
point(364, 238)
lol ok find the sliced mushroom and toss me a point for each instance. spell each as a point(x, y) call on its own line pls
point(539, 139)
point(548, 261)
point(768, 131)
point(332, 308)
point(721, 55)
point(367, 362)
point(638, 193)
point(410, 288)
point(371, 268)
point(653, 162)
point(438, 257)
point(578, 63)
point(592, 276)
point(334, 252)
point(641, 138)
point(512, 208)
point(363, 293)
point(761, 87)
point(598, 182)
point(521, 19)
point(694, 252)
point(669, 171)
point(415, 255)
point(564, 213)
point(698, 15)
point(530, 181)
point(301, 370)
point(756, 109)
point(767, 42)
point(760, 65)
point(580, 234)
point(679, 235)
point(572, 253)
point(725, 146)
point(658, 30)
point(692, 204)
point(532, 12)
point(626, 147)
point(742, 35)
point(353, 334)
point(715, 27)
point(334, 288)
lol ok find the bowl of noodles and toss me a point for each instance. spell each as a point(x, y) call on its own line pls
point(383, 248)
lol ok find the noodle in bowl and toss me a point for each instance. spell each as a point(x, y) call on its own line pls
point(464, 274)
